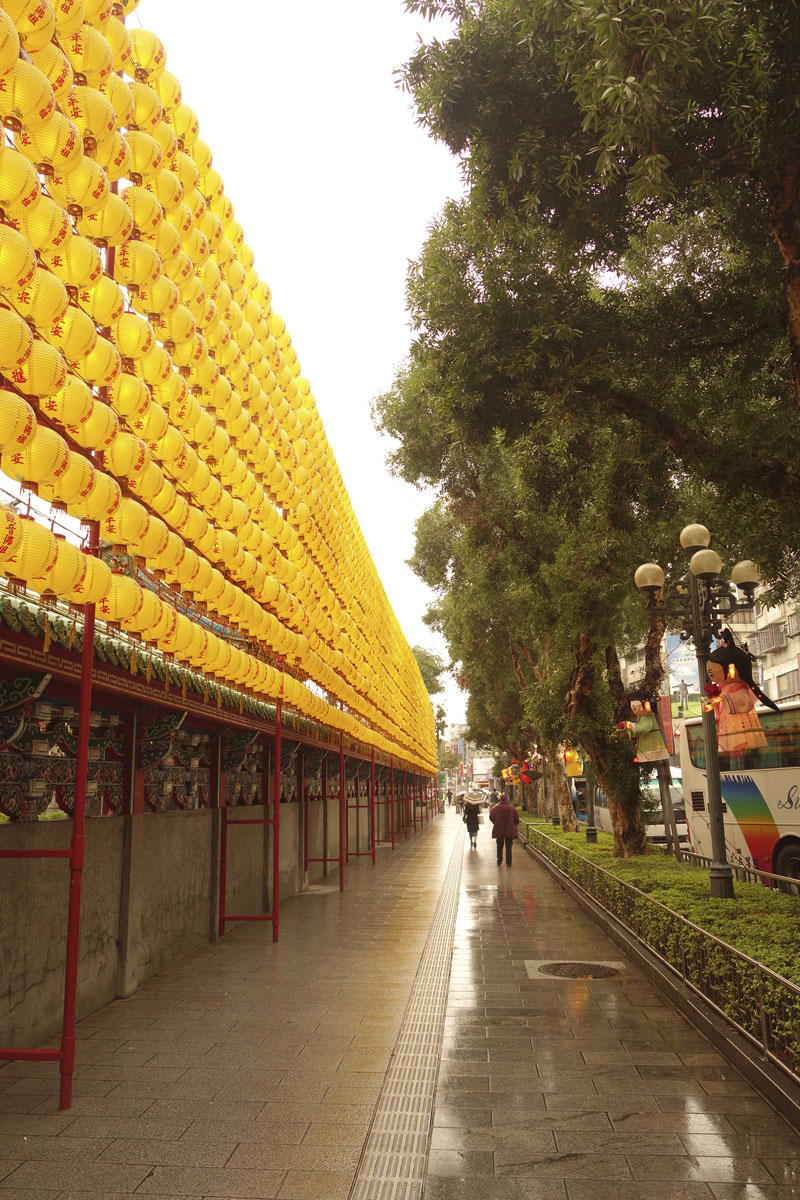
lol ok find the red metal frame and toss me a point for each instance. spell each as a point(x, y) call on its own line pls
point(370, 806)
point(65, 1056)
point(274, 821)
point(341, 811)
point(306, 859)
point(388, 804)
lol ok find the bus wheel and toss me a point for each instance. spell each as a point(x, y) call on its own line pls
point(787, 862)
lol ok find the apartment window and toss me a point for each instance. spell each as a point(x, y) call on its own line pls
point(788, 684)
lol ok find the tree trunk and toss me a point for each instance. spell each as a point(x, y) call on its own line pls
point(619, 779)
point(616, 771)
point(785, 216)
point(569, 822)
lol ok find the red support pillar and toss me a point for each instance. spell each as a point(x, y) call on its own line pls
point(391, 805)
point(276, 826)
point(414, 799)
point(77, 846)
point(303, 798)
point(341, 812)
point(372, 803)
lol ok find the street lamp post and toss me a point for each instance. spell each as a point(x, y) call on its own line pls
point(591, 828)
point(701, 600)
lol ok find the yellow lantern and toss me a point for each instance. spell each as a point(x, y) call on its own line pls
point(83, 190)
point(54, 147)
point(35, 22)
point(31, 553)
point(167, 189)
point(119, 40)
point(168, 89)
point(71, 405)
point(113, 155)
point(172, 553)
point(165, 136)
point(47, 226)
point(148, 55)
point(17, 260)
point(73, 335)
point(74, 485)
point(136, 264)
point(76, 262)
point(152, 426)
point(127, 456)
point(17, 422)
point(153, 541)
point(147, 112)
point(45, 456)
point(102, 365)
point(180, 269)
point(157, 298)
point(90, 56)
point(94, 585)
point(186, 125)
point(111, 226)
point(97, 12)
point(20, 190)
point(9, 43)
point(126, 525)
point(92, 112)
point(132, 335)
point(128, 395)
point(104, 498)
point(123, 600)
point(147, 617)
point(16, 340)
point(42, 374)
point(169, 446)
point(68, 16)
point(99, 429)
point(145, 208)
point(155, 367)
point(148, 485)
point(66, 572)
point(10, 532)
point(104, 302)
point(173, 510)
point(146, 157)
point(166, 241)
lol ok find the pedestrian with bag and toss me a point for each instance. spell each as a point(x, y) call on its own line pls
point(472, 815)
point(505, 819)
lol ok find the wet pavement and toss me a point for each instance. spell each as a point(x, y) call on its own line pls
point(402, 1040)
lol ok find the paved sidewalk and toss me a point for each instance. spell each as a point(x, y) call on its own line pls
point(254, 1070)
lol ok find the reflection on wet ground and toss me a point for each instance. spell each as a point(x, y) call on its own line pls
point(553, 1087)
point(256, 1070)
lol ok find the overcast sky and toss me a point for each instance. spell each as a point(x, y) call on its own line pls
point(335, 187)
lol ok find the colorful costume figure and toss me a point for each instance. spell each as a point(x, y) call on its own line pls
point(738, 726)
point(650, 744)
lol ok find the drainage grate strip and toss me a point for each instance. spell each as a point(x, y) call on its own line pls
point(392, 1166)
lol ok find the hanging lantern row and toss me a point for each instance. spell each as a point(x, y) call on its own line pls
point(204, 415)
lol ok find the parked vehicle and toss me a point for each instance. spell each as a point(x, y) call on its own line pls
point(760, 793)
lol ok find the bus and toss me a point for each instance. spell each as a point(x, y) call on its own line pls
point(655, 827)
point(760, 795)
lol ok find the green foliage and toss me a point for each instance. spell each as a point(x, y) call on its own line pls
point(431, 668)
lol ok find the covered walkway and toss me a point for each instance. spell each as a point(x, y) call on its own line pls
point(399, 1041)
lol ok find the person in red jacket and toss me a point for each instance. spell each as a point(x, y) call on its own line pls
point(505, 819)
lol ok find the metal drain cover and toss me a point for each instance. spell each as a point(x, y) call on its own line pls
point(578, 970)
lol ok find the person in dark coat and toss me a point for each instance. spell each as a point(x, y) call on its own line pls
point(505, 819)
point(471, 813)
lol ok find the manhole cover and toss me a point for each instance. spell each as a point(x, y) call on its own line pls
point(576, 970)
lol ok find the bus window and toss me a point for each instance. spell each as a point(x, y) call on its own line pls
point(782, 730)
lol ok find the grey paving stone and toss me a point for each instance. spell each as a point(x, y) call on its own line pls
point(208, 1182)
point(316, 1185)
point(716, 1168)
point(621, 1189)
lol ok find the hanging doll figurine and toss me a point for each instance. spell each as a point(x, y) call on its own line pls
point(650, 744)
point(730, 669)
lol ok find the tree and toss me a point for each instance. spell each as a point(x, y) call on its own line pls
point(431, 668)
point(660, 144)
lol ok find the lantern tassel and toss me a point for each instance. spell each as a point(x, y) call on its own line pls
point(149, 668)
point(134, 661)
point(46, 640)
point(205, 693)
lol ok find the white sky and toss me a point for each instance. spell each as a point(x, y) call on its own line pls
point(335, 187)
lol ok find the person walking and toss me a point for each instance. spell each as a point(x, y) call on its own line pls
point(471, 820)
point(505, 819)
